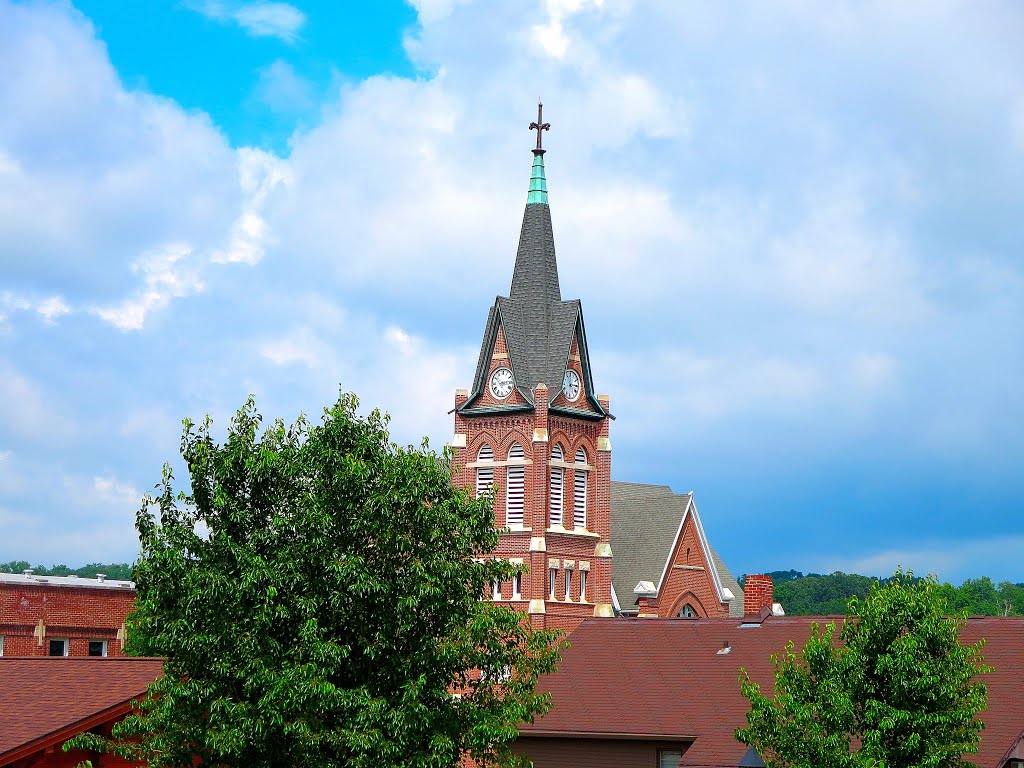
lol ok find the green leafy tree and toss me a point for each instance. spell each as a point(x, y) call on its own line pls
point(317, 597)
point(898, 689)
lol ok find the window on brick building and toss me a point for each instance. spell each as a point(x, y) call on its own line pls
point(557, 483)
point(688, 612)
point(97, 647)
point(669, 758)
point(579, 496)
point(515, 485)
point(552, 582)
point(484, 475)
point(1, 645)
point(496, 590)
point(568, 584)
point(583, 586)
point(58, 647)
point(517, 586)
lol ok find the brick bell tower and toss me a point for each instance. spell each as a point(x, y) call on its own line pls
point(532, 432)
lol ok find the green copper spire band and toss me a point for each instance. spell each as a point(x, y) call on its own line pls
point(538, 184)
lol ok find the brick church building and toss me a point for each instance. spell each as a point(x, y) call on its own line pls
point(533, 431)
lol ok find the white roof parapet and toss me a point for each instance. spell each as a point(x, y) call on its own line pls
point(79, 582)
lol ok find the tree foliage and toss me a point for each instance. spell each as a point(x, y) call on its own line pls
point(827, 595)
point(317, 597)
point(897, 689)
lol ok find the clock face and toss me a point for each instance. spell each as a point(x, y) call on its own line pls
point(571, 385)
point(501, 383)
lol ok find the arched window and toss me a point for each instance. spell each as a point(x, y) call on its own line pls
point(515, 485)
point(687, 612)
point(579, 496)
point(557, 483)
point(485, 474)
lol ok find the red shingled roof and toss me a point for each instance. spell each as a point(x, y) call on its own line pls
point(665, 678)
point(44, 701)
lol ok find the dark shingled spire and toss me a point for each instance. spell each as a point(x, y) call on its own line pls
point(538, 325)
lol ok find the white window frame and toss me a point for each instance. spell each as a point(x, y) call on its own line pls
point(1, 645)
point(583, 586)
point(67, 646)
point(552, 582)
point(496, 590)
point(568, 583)
point(517, 586)
point(105, 645)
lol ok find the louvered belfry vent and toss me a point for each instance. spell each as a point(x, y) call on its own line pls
point(515, 487)
point(485, 474)
point(579, 507)
point(557, 483)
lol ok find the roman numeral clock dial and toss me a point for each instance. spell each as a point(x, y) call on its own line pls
point(501, 383)
point(571, 386)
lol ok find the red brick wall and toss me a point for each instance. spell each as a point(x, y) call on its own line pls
point(689, 579)
point(76, 613)
point(758, 593)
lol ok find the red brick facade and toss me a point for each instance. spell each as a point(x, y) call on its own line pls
point(36, 610)
point(538, 544)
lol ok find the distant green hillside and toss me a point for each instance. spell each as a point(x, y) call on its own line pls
point(815, 594)
point(111, 570)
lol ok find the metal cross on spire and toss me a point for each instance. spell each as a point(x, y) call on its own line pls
point(540, 126)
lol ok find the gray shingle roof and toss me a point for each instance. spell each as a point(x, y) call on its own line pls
point(645, 521)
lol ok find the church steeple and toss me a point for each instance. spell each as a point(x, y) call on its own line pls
point(532, 426)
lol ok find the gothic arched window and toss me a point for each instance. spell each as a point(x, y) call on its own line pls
point(484, 474)
point(557, 483)
point(687, 612)
point(579, 496)
point(515, 485)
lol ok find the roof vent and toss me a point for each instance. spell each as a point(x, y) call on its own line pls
point(101, 577)
point(29, 571)
point(645, 588)
point(726, 648)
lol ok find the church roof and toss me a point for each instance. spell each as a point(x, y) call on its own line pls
point(538, 324)
point(667, 679)
point(645, 523)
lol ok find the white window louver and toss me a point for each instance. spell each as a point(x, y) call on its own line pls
point(557, 484)
point(484, 475)
point(579, 507)
point(515, 486)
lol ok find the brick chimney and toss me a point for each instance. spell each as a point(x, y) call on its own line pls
point(758, 594)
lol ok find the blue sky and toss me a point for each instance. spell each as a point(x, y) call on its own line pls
point(796, 230)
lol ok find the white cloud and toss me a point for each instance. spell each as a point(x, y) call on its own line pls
point(282, 89)
point(110, 490)
point(27, 410)
point(259, 19)
point(49, 309)
point(166, 275)
point(259, 174)
point(432, 11)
